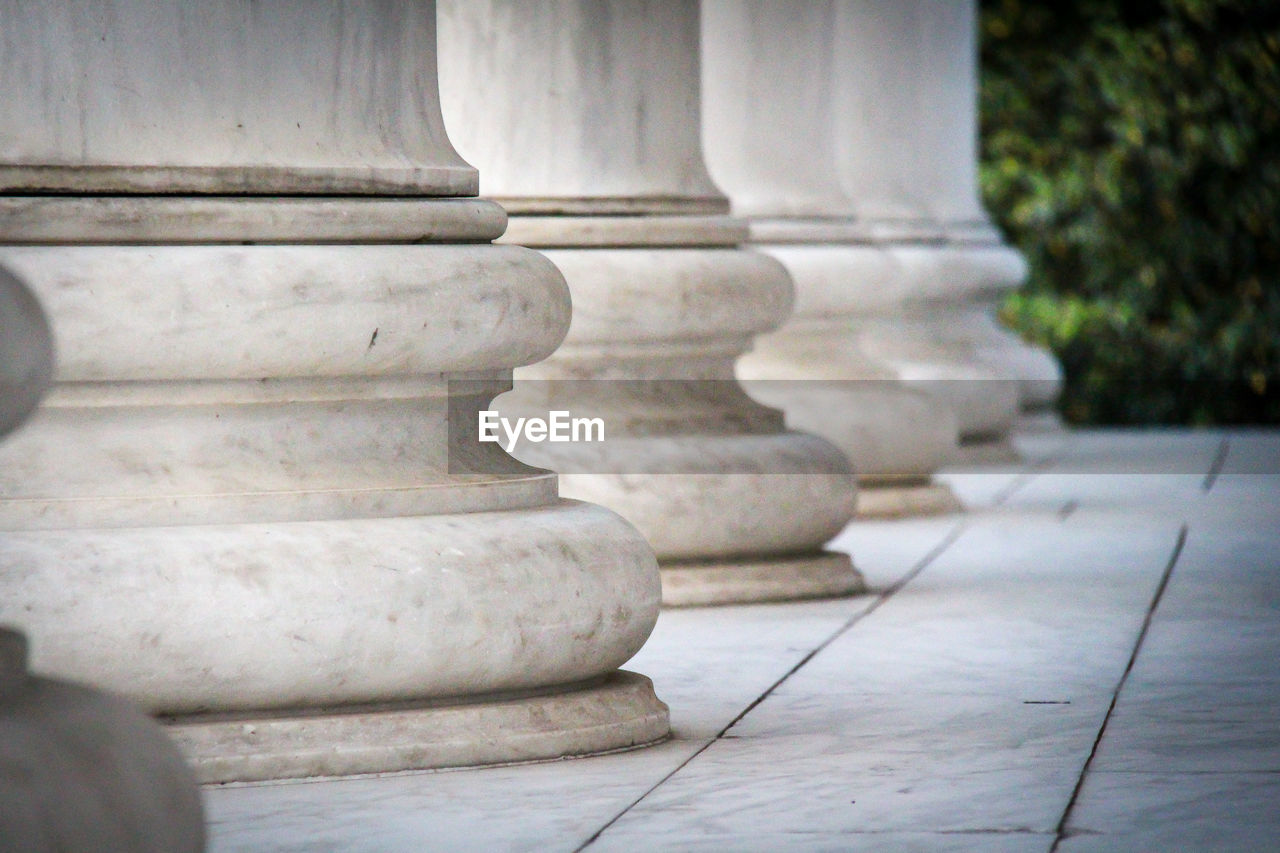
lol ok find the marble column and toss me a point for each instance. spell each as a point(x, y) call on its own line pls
point(254, 500)
point(846, 132)
point(933, 181)
point(583, 118)
point(768, 130)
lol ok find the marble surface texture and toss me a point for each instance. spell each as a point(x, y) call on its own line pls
point(956, 707)
point(254, 113)
point(545, 99)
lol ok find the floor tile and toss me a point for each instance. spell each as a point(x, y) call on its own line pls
point(1194, 727)
point(978, 490)
point(1126, 494)
point(1140, 452)
point(708, 664)
point(850, 842)
point(968, 701)
point(553, 806)
point(1176, 811)
point(1015, 604)
point(749, 787)
point(1252, 451)
point(1208, 651)
point(955, 714)
point(884, 551)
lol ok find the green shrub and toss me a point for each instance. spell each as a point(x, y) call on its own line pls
point(1131, 150)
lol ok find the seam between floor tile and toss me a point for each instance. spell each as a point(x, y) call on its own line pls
point(1165, 772)
point(884, 596)
point(1032, 470)
point(1060, 832)
point(1024, 477)
point(1215, 467)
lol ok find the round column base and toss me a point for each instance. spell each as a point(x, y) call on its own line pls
point(618, 712)
point(996, 450)
point(897, 500)
point(825, 575)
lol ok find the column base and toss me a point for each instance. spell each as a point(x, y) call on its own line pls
point(618, 712)
point(900, 500)
point(825, 575)
point(721, 498)
point(997, 450)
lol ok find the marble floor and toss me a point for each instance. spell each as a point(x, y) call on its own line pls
point(1088, 659)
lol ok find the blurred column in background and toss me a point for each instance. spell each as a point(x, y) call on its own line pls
point(906, 93)
point(769, 131)
point(897, 250)
point(253, 501)
point(583, 117)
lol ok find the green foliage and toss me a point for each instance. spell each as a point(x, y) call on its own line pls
point(1132, 151)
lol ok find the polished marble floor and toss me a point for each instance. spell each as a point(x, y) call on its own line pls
point(1088, 659)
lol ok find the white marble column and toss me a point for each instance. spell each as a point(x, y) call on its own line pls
point(583, 119)
point(846, 132)
point(768, 129)
point(254, 501)
point(923, 53)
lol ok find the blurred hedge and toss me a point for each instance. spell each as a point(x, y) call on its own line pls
point(1130, 150)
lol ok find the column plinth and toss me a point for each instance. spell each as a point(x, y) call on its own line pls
point(254, 501)
point(583, 118)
